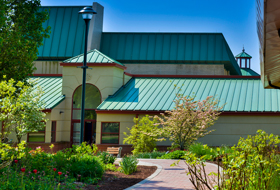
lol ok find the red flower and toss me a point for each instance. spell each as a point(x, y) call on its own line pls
point(16, 161)
point(54, 169)
point(22, 169)
point(59, 173)
point(34, 171)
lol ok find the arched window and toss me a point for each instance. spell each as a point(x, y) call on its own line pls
point(92, 101)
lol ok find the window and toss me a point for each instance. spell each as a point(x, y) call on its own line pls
point(110, 133)
point(92, 101)
point(36, 136)
point(53, 130)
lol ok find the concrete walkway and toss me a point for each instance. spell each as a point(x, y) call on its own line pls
point(167, 177)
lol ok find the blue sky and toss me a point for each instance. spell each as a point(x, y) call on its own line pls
point(236, 19)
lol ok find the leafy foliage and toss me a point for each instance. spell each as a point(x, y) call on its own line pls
point(252, 164)
point(87, 166)
point(129, 164)
point(189, 120)
point(152, 155)
point(44, 170)
point(202, 150)
point(177, 154)
point(106, 158)
point(21, 33)
point(143, 135)
point(20, 108)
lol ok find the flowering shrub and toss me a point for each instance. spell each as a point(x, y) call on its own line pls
point(189, 120)
point(36, 169)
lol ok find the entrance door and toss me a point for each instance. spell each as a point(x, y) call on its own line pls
point(89, 132)
point(92, 101)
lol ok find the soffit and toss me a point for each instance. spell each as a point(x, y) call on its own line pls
point(270, 49)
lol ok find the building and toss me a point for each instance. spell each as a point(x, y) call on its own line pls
point(133, 74)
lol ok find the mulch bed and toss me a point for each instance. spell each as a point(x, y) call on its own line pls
point(119, 181)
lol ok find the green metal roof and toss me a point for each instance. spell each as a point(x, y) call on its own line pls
point(52, 87)
point(93, 56)
point(67, 33)
point(157, 94)
point(248, 72)
point(176, 48)
point(243, 54)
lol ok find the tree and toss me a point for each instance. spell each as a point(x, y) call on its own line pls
point(21, 33)
point(143, 135)
point(20, 108)
point(189, 120)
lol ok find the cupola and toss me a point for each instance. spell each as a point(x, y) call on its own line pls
point(244, 59)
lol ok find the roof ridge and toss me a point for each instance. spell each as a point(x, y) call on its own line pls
point(111, 59)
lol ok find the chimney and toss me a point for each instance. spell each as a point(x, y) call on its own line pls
point(95, 27)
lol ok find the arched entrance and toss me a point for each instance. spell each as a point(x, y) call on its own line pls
point(92, 101)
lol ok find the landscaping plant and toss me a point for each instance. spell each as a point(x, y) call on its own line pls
point(23, 168)
point(20, 108)
point(143, 135)
point(129, 164)
point(152, 155)
point(203, 150)
point(251, 165)
point(177, 154)
point(106, 158)
point(189, 120)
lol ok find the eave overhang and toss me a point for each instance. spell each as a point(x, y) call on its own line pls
point(268, 16)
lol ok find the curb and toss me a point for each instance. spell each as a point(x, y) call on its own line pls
point(159, 168)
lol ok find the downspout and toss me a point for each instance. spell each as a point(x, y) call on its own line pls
point(273, 86)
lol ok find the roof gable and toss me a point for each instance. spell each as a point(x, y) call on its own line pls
point(183, 48)
point(243, 54)
point(67, 33)
point(157, 94)
point(93, 56)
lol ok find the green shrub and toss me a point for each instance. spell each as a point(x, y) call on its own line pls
point(143, 135)
point(203, 150)
point(110, 167)
point(82, 149)
point(106, 158)
point(129, 164)
point(87, 166)
point(177, 154)
point(151, 155)
point(252, 164)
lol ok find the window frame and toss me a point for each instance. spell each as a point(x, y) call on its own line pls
point(38, 132)
point(53, 132)
point(109, 133)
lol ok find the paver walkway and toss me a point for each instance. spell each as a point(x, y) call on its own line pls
point(170, 177)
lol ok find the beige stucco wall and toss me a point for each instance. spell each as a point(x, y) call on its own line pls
point(175, 69)
point(107, 79)
point(126, 121)
point(228, 128)
point(47, 67)
point(13, 137)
